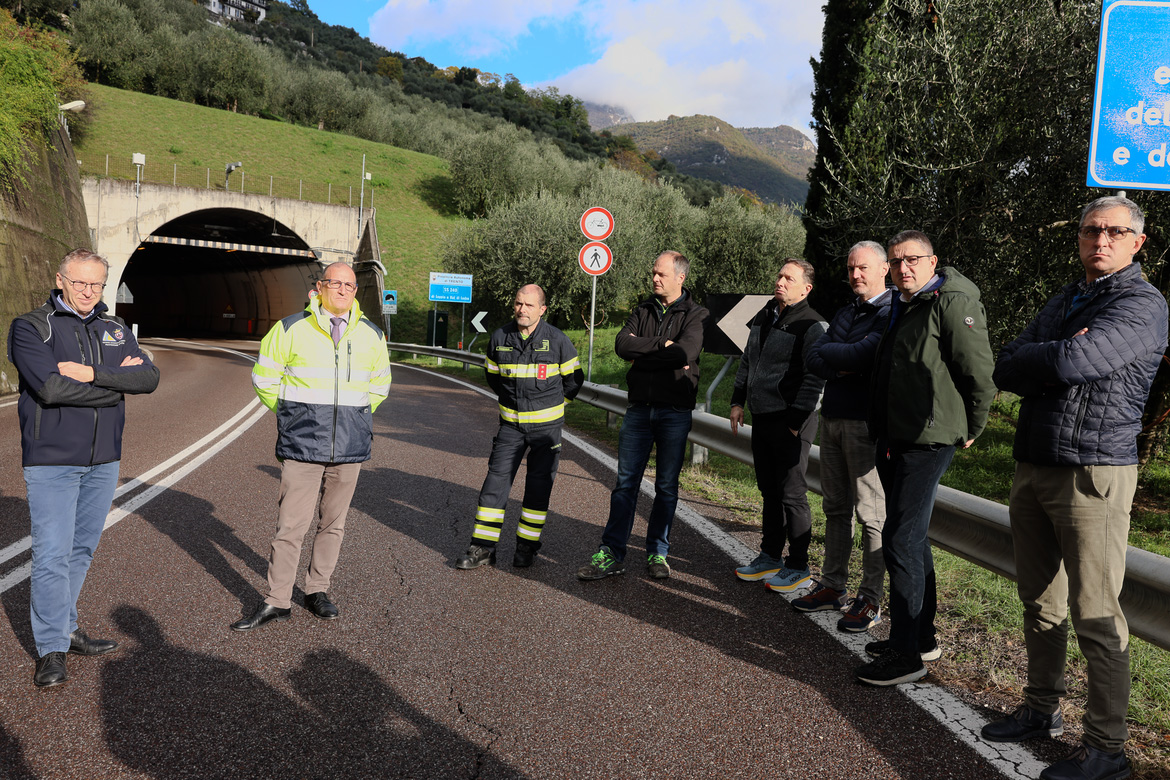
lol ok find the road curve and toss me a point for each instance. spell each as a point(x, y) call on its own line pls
point(431, 672)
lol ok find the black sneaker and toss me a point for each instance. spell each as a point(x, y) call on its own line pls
point(879, 648)
point(603, 564)
point(1022, 724)
point(476, 556)
point(1088, 763)
point(892, 668)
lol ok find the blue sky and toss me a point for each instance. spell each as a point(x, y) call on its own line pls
point(745, 61)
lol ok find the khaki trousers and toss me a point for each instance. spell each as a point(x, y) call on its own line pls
point(1070, 525)
point(300, 486)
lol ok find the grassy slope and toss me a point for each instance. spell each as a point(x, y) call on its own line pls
point(411, 191)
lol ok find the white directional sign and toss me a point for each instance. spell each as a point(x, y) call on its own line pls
point(595, 258)
point(477, 322)
point(597, 223)
point(1129, 145)
point(736, 324)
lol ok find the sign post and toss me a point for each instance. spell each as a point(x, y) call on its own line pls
point(595, 258)
point(450, 288)
point(1130, 139)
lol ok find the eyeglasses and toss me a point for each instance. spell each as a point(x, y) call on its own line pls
point(911, 261)
point(97, 287)
point(1115, 232)
point(337, 284)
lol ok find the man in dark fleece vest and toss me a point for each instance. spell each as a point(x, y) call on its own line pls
point(1083, 369)
point(780, 391)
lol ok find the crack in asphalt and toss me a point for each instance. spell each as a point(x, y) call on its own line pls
point(481, 754)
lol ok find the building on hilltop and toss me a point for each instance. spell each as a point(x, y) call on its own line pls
point(239, 10)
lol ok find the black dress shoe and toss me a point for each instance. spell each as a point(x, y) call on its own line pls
point(476, 556)
point(524, 556)
point(320, 605)
point(1088, 763)
point(80, 644)
point(50, 670)
point(262, 615)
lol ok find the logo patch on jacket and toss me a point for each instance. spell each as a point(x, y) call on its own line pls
point(544, 347)
point(969, 322)
point(114, 339)
point(542, 371)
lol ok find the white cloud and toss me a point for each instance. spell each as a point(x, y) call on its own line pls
point(745, 61)
point(484, 27)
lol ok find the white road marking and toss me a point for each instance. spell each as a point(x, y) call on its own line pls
point(1013, 760)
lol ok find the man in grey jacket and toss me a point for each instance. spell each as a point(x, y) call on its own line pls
point(781, 393)
point(1083, 368)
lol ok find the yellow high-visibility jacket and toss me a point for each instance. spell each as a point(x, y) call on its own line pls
point(324, 396)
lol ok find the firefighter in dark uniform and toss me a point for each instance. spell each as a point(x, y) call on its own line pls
point(533, 369)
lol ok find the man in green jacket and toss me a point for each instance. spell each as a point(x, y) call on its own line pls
point(931, 393)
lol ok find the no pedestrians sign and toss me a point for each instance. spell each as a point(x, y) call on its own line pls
point(595, 258)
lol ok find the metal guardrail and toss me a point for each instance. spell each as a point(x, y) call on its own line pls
point(970, 527)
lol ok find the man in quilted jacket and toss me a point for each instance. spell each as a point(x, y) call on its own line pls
point(1083, 368)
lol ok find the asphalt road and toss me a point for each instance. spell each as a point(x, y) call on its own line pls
point(431, 672)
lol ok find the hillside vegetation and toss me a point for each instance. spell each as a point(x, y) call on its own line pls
point(411, 192)
point(708, 147)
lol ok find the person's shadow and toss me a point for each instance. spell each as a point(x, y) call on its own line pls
point(12, 764)
point(173, 713)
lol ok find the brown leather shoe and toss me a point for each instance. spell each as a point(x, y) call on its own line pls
point(50, 670)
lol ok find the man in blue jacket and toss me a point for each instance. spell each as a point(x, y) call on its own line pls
point(1083, 368)
point(75, 362)
point(844, 357)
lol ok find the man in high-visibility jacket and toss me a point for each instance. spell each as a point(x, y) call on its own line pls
point(323, 371)
point(534, 370)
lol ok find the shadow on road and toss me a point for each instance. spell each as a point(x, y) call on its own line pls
point(173, 713)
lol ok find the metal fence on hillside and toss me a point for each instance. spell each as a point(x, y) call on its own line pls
point(215, 178)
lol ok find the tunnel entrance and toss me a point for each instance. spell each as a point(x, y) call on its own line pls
point(217, 272)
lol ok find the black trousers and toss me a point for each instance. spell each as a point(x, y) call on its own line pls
point(543, 447)
point(781, 461)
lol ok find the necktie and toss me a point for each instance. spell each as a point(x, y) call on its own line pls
point(338, 329)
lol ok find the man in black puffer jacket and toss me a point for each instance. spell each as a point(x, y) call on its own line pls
point(1084, 368)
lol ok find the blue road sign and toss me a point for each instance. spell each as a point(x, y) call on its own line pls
point(1130, 139)
point(450, 288)
point(389, 301)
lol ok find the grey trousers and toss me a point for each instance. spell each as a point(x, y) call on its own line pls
point(850, 484)
point(1070, 526)
point(300, 486)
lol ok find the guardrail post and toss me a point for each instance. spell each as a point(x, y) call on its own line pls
point(611, 418)
point(699, 455)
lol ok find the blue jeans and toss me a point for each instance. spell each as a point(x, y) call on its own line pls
point(910, 477)
point(643, 427)
point(68, 505)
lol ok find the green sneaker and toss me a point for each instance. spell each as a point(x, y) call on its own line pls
point(657, 567)
point(602, 564)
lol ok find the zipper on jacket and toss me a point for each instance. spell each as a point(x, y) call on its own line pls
point(81, 348)
point(1081, 409)
point(348, 362)
point(336, 399)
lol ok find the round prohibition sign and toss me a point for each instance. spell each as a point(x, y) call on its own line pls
point(595, 258)
point(597, 224)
